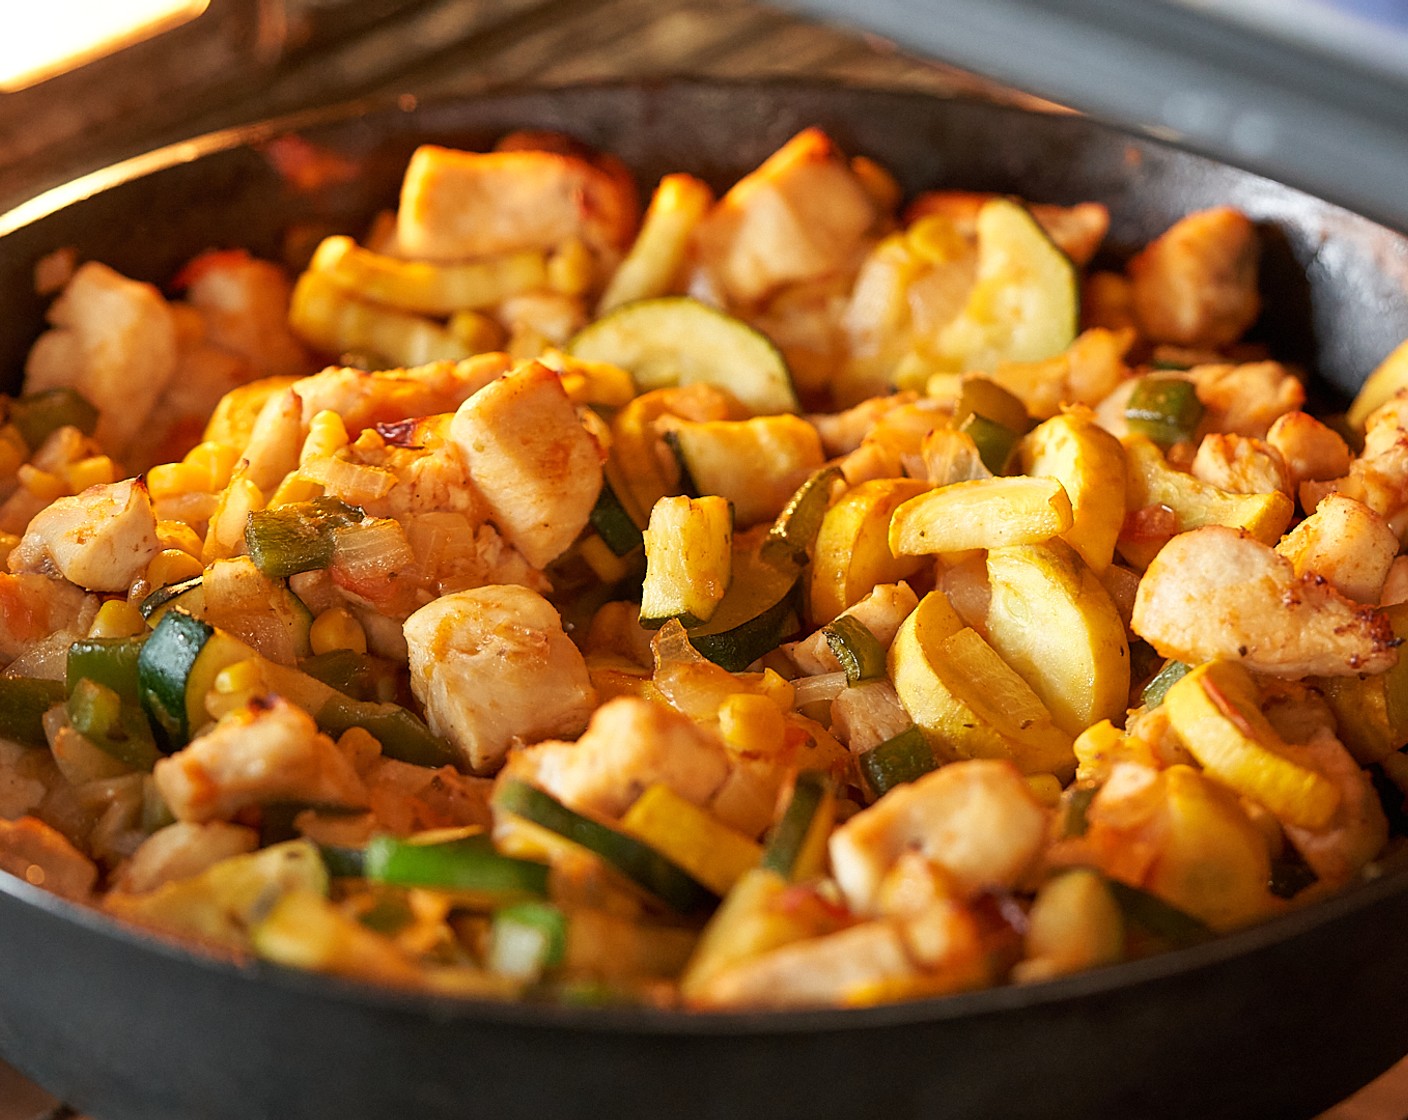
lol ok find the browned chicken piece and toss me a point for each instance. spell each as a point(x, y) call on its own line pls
point(182, 850)
point(243, 302)
point(1345, 542)
point(460, 205)
point(102, 539)
point(1246, 399)
point(802, 215)
point(492, 666)
point(1312, 451)
point(528, 453)
point(1196, 285)
point(976, 820)
point(268, 750)
point(114, 341)
point(1214, 592)
point(1241, 465)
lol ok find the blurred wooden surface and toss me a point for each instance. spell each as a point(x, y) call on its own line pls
point(325, 51)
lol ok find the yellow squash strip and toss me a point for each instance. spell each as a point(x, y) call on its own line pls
point(716, 855)
point(984, 513)
point(1213, 710)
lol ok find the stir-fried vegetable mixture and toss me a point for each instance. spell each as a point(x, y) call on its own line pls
point(792, 597)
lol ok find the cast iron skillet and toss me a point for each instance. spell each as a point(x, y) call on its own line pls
point(1279, 1020)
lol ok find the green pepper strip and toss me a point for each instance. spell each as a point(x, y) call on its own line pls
point(468, 864)
point(403, 735)
point(1166, 409)
point(37, 416)
point(1155, 691)
point(897, 760)
point(996, 443)
point(23, 702)
point(358, 675)
point(856, 648)
point(296, 537)
point(109, 661)
point(99, 715)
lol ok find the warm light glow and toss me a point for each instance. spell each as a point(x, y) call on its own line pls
point(47, 38)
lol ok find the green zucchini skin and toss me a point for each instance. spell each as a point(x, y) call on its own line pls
point(163, 673)
point(659, 875)
point(466, 864)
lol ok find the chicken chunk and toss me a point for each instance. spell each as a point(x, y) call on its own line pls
point(802, 215)
point(1196, 285)
point(1215, 592)
point(244, 304)
point(977, 820)
point(114, 341)
point(493, 666)
point(537, 466)
point(928, 954)
point(459, 205)
point(102, 539)
point(629, 745)
point(1345, 542)
point(268, 750)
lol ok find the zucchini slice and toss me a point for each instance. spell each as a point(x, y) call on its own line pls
point(756, 614)
point(675, 340)
point(688, 560)
point(177, 667)
point(796, 850)
point(639, 862)
point(1025, 304)
point(188, 594)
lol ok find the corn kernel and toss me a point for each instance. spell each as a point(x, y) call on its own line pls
point(571, 270)
point(326, 435)
point(172, 565)
point(751, 724)
point(216, 459)
point(169, 480)
point(43, 485)
point(95, 470)
point(295, 488)
point(178, 535)
point(117, 619)
point(335, 629)
point(778, 689)
point(234, 686)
